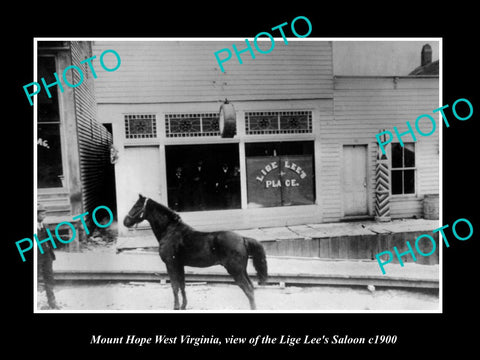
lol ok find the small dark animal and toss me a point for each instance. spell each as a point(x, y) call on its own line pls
point(180, 245)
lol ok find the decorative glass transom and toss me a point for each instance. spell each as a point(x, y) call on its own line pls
point(140, 126)
point(185, 125)
point(278, 122)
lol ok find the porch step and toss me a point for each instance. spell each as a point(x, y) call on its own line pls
point(58, 211)
point(56, 201)
point(52, 192)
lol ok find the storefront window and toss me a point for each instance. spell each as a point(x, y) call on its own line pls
point(203, 177)
point(49, 164)
point(280, 174)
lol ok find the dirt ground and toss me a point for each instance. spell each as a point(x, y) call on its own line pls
point(150, 296)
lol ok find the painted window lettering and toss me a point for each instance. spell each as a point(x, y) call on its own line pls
point(277, 182)
point(266, 170)
point(43, 143)
point(280, 180)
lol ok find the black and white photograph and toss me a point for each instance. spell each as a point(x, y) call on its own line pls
point(235, 175)
point(196, 182)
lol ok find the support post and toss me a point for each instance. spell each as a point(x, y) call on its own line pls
point(382, 188)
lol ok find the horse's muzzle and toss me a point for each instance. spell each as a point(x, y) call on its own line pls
point(128, 221)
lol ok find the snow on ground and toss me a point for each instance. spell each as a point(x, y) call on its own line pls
point(150, 296)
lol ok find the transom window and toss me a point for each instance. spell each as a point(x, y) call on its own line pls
point(140, 126)
point(278, 122)
point(403, 168)
point(191, 125)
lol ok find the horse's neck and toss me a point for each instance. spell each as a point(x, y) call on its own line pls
point(160, 230)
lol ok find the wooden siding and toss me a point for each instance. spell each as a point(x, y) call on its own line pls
point(93, 138)
point(187, 71)
point(355, 247)
point(362, 107)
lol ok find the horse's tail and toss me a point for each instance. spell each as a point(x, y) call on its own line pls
point(256, 250)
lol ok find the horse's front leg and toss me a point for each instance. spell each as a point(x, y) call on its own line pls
point(176, 272)
point(175, 285)
point(181, 284)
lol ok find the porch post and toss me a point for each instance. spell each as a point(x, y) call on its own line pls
point(382, 188)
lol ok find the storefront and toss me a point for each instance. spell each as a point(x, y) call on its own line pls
point(264, 176)
point(304, 151)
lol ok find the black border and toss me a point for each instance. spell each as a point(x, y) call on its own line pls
point(54, 334)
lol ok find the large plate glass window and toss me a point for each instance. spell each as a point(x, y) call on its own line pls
point(49, 150)
point(280, 173)
point(203, 177)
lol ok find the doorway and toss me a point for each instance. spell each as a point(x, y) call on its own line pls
point(355, 180)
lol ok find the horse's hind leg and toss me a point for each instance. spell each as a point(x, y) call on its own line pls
point(248, 278)
point(243, 281)
point(247, 287)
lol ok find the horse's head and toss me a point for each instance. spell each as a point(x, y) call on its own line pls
point(159, 214)
point(137, 212)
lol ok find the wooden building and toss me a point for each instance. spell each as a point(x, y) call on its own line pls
point(363, 107)
point(305, 149)
point(73, 152)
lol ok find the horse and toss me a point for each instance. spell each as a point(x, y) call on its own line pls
point(180, 245)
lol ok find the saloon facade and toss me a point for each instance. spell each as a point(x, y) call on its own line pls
point(304, 150)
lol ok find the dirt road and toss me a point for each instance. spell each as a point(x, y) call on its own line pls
point(150, 296)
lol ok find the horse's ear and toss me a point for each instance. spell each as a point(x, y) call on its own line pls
point(140, 196)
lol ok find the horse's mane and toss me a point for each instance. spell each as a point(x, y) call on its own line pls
point(172, 215)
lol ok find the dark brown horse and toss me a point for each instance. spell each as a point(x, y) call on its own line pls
point(180, 245)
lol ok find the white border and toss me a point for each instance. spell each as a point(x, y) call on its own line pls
point(184, 312)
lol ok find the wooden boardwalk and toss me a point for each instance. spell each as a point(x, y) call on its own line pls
point(340, 241)
point(147, 266)
point(312, 254)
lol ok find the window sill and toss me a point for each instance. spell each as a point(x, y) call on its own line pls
point(406, 197)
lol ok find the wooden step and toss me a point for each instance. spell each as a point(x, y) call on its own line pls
point(55, 200)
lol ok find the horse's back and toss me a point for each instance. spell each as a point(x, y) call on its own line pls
point(203, 249)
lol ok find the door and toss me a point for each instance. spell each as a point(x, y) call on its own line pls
point(355, 180)
point(138, 171)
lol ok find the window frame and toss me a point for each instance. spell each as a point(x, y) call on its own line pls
point(202, 116)
point(59, 124)
point(129, 136)
point(277, 125)
point(210, 203)
point(280, 156)
point(402, 169)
